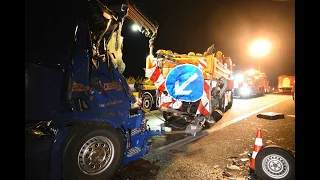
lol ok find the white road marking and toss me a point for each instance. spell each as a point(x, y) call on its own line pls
point(213, 129)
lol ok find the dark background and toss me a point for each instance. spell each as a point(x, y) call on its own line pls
point(231, 25)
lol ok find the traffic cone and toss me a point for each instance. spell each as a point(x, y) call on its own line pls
point(258, 144)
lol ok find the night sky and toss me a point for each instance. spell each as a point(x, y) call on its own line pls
point(231, 25)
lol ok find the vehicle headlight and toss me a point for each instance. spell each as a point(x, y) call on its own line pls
point(244, 91)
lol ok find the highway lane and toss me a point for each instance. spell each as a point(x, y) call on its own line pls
point(230, 140)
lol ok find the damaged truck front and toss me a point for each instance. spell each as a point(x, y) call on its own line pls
point(79, 123)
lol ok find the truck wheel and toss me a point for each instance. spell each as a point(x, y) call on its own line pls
point(222, 103)
point(275, 163)
point(147, 102)
point(230, 103)
point(216, 116)
point(158, 102)
point(93, 152)
point(166, 115)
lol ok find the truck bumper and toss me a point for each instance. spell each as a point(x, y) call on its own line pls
point(138, 137)
point(43, 152)
point(37, 158)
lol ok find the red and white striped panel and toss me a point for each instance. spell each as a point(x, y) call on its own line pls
point(202, 64)
point(204, 106)
point(168, 101)
point(156, 77)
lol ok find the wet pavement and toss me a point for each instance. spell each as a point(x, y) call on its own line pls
point(223, 154)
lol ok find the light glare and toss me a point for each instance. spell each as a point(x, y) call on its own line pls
point(135, 27)
point(260, 48)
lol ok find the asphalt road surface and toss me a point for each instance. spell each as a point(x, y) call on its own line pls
point(220, 152)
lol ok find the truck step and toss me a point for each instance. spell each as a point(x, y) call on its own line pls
point(133, 151)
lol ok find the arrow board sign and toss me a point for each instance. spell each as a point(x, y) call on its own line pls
point(185, 83)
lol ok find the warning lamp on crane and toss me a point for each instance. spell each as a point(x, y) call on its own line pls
point(136, 27)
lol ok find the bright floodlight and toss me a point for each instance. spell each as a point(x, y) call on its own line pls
point(135, 27)
point(251, 72)
point(239, 77)
point(260, 48)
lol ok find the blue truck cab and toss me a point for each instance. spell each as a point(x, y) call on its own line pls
point(79, 123)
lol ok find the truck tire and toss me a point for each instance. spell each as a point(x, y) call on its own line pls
point(158, 102)
point(275, 163)
point(147, 102)
point(166, 115)
point(216, 116)
point(230, 103)
point(222, 103)
point(93, 152)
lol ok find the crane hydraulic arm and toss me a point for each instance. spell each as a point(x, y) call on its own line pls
point(147, 27)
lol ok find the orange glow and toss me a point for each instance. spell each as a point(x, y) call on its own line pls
point(260, 48)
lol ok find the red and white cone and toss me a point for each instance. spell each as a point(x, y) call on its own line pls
point(256, 148)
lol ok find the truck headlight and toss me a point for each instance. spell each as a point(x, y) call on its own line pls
point(244, 91)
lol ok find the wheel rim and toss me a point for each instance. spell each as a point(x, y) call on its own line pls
point(147, 104)
point(275, 166)
point(95, 155)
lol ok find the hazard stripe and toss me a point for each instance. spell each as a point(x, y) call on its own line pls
point(155, 75)
point(206, 89)
point(177, 105)
point(258, 142)
point(254, 154)
point(204, 105)
point(162, 87)
point(202, 64)
point(257, 148)
point(166, 104)
point(204, 110)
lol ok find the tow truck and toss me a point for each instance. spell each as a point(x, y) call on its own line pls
point(250, 83)
point(194, 87)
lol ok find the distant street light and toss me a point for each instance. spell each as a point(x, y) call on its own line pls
point(260, 48)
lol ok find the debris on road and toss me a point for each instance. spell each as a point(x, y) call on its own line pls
point(244, 159)
point(244, 153)
point(269, 142)
point(233, 167)
point(271, 115)
point(226, 174)
point(237, 163)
